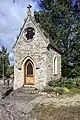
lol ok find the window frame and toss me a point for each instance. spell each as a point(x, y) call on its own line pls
point(55, 65)
point(25, 32)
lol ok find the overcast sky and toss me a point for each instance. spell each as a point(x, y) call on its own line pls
point(12, 16)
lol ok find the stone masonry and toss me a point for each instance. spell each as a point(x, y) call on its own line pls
point(36, 50)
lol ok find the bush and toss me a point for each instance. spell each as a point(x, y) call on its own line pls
point(75, 72)
point(66, 72)
point(71, 73)
point(9, 72)
point(74, 91)
point(64, 82)
point(59, 90)
point(51, 83)
point(48, 89)
point(60, 82)
point(78, 82)
point(70, 83)
point(66, 90)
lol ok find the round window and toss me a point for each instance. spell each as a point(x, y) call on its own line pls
point(29, 33)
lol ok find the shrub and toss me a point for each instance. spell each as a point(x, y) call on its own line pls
point(74, 91)
point(70, 83)
point(51, 83)
point(78, 82)
point(59, 90)
point(66, 90)
point(60, 82)
point(75, 72)
point(48, 89)
point(64, 82)
point(9, 72)
point(66, 72)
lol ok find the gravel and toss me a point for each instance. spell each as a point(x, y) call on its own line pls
point(19, 103)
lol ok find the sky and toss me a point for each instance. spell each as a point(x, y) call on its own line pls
point(12, 15)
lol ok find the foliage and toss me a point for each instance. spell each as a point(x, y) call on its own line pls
point(64, 82)
point(51, 83)
point(74, 91)
point(62, 21)
point(9, 71)
point(62, 86)
point(66, 72)
point(4, 60)
point(48, 89)
point(78, 82)
point(59, 90)
point(66, 90)
point(75, 72)
point(71, 72)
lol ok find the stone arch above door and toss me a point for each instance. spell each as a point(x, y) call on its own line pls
point(24, 61)
point(28, 66)
point(29, 72)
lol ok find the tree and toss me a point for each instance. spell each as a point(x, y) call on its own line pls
point(61, 20)
point(10, 71)
point(4, 61)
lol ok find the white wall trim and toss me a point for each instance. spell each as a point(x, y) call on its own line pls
point(54, 65)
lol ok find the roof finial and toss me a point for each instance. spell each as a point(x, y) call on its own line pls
point(29, 10)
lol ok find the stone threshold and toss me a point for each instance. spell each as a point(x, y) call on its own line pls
point(30, 86)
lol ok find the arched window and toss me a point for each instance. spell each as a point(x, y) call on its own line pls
point(54, 65)
point(29, 68)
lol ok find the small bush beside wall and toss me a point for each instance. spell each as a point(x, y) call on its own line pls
point(48, 89)
point(64, 85)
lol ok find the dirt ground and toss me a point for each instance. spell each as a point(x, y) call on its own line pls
point(57, 108)
point(49, 112)
point(14, 106)
point(23, 105)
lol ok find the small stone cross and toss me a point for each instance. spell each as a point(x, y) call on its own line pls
point(29, 9)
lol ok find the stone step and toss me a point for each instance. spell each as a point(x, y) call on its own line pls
point(28, 89)
point(31, 88)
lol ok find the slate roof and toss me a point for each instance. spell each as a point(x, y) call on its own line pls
point(53, 45)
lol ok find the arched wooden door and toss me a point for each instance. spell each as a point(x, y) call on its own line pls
point(29, 73)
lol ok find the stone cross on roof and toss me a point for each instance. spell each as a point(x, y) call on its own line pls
point(29, 10)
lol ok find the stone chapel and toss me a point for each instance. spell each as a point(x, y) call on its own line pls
point(37, 59)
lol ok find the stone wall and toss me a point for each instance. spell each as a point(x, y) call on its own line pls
point(50, 54)
point(36, 50)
